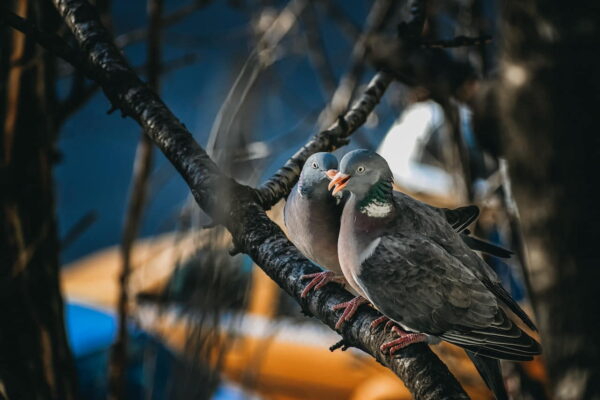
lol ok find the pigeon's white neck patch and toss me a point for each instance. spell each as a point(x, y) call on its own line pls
point(377, 209)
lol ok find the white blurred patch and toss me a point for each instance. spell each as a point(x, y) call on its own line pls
point(403, 147)
point(515, 74)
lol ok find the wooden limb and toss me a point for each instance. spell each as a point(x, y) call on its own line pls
point(285, 178)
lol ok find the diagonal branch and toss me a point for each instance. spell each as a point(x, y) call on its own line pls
point(253, 232)
point(51, 42)
point(285, 178)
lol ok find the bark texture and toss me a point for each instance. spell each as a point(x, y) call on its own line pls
point(547, 96)
point(35, 360)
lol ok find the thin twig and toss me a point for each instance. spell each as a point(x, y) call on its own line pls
point(138, 194)
point(514, 220)
point(378, 15)
point(459, 41)
point(259, 59)
point(346, 25)
point(53, 43)
point(139, 34)
point(78, 228)
point(13, 91)
point(316, 51)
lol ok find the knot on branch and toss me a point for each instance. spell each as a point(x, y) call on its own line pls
point(345, 129)
point(342, 344)
point(333, 139)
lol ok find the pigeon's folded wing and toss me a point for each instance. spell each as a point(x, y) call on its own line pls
point(415, 282)
point(460, 218)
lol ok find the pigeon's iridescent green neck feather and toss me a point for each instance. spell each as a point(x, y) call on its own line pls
point(378, 202)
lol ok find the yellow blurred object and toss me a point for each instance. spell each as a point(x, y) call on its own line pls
point(286, 360)
point(94, 279)
point(381, 388)
point(264, 297)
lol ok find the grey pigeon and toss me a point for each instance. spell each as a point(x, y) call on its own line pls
point(312, 218)
point(409, 262)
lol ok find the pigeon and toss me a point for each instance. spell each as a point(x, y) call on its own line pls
point(409, 262)
point(312, 218)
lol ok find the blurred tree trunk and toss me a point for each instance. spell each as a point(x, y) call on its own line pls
point(35, 360)
point(548, 97)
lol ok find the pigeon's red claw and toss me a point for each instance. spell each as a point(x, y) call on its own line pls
point(376, 322)
point(404, 339)
point(349, 308)
point(319, 280)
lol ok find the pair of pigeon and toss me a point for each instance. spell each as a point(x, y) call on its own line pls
point(413, 262)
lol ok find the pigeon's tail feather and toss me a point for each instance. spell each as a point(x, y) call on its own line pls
point(485, 247)
point(491, 351)
point(461, 217)
point(490, 371)
point(502, 339)
point(503, 295)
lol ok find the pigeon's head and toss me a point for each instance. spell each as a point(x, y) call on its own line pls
point(314, 174)
point(359, 171)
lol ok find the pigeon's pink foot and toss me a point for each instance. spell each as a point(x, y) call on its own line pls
point(349, 308)
point(404, 339)
point(379, 321)
point(388, 323)
point(319, 280)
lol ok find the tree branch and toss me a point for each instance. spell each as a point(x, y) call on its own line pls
point(459, 41)
point(51, 42)
point(242, 213)
point(285, 178)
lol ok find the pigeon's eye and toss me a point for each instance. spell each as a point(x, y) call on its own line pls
point(314, 165)
point(360, 170)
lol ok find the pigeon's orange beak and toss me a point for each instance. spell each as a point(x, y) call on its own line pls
point(339, 180)
point(331, 173)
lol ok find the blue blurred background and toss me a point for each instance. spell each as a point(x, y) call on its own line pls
point(98, 149)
